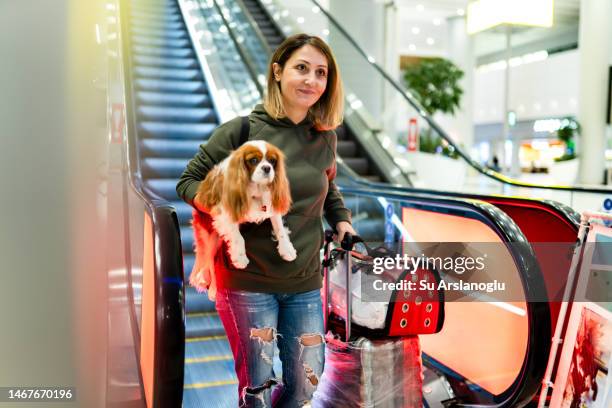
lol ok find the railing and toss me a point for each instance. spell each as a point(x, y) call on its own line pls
point(153, 256)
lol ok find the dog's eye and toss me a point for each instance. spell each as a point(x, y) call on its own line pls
point(253, 161)
point(272, 162)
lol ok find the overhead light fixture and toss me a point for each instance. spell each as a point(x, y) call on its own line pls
point(430, 41)
point(460, 12)
point(437, 21)
point(416, 30)
point(484, 14)
point(412, 47)
point(420, 7)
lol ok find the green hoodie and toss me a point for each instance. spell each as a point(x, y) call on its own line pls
point(311, 169)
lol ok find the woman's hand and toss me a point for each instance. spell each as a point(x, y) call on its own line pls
point(343, 227)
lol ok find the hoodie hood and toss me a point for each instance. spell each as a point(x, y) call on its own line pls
point(260, 113)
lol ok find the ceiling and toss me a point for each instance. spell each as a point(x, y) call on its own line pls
point(423, 30)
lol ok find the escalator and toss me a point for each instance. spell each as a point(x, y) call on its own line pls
point(174, 114)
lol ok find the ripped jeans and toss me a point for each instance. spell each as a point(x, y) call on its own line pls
point(253, 322)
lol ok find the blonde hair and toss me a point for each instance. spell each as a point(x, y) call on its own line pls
point(326, 113)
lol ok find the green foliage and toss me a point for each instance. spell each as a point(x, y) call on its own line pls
point(435, 84)
point(429, 143)
point(569, 128)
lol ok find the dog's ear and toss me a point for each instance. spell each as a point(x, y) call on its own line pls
point(281, 194)
point(237, 177)
point(210, 190)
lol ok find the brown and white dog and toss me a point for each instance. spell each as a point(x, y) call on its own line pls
point(250, 185)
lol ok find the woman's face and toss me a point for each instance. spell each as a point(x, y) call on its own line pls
point(303, 79)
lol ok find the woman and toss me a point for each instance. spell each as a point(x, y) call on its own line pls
point(272, 300)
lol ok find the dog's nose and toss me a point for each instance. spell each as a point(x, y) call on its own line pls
point(266, 168)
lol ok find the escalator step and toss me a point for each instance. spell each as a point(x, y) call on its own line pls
point(199, 131)
point(186, 237)
point(165, 33)
point(217, 348)
point(169, 148)
point(203, 324)
point(197, 302)
point(174, 99)
point(155, 167)
point(163, 52)
point(346, 148)
point(158, 9)
point(167, 73)
point(359, 165)
point(166, 188)
point(172, 86)
point(165, 61)
point(156, 24)
point(156, 18)
point(184, 115)
point(162, 42)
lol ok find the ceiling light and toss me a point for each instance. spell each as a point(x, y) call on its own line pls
point(437, 21)
point(420, 7)
point(484, 14)
point(430, 41)
point(300, 20)
point(461, 12)
point(412, 47)
point(416, 30)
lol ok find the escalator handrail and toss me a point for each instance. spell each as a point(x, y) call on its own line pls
point(250, 65)
point(260, 37)
point(568, 214)
point(532, 370)
point(169, 324)
point(410, 99)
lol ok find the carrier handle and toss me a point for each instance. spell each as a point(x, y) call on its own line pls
point(348, 241)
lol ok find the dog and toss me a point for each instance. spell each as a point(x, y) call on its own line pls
point(250, 185)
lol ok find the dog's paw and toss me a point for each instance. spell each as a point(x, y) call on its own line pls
point(286, 250)
point(240, 261)
point(197, 280)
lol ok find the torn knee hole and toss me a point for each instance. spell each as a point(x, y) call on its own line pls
point(311, 339)
point(265, 334)
point(312, 377)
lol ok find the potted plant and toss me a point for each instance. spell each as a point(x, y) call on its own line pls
point(566, 133)
point(435, 84)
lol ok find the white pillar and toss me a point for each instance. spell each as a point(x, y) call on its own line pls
point(364, 21)
point(461, 53)
point(594, 48)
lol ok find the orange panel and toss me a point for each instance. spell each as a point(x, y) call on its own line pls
point(147, 332)
point(482, 341)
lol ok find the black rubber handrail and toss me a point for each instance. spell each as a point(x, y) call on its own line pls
point(250, 66)
point(403, 92)
point(169, 352)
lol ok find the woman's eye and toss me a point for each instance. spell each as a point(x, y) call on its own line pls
point(301, 67)
point(321, 72)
